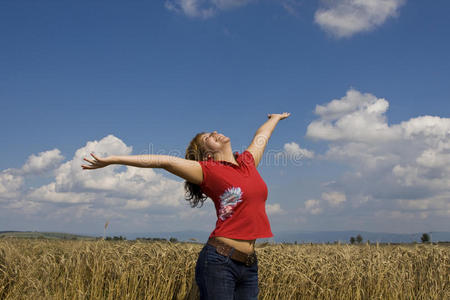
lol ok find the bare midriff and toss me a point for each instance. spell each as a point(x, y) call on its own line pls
point(246, 246)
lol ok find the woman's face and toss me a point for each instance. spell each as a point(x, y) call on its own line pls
point(214, 141)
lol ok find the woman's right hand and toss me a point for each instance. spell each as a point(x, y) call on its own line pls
point(96, 163)
point(280, 116)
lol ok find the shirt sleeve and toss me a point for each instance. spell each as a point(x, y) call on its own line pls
point(247, 158)
point(205, 171)
point(209, 168)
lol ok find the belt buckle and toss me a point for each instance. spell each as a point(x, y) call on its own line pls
point(250, 260)
point(221, 250)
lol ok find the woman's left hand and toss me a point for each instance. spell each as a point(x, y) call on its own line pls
point(281, 116)
point(96, 163)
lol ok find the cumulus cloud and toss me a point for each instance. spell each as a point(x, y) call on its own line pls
point(327, 200)
point(341, 18)
point(203, 8)
point(312, 206)
point(404, 166)
point(48, 193)
point(10, 184)
point(334, 198)
point(355, 117)
point(44, 161)
point(274, 209)
point(79, 192)
point(293, 154)
point(344, 18)
point(141, 187)
point(12, 180)
point(294, 150)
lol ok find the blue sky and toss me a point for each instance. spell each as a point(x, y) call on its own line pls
point(367, 84)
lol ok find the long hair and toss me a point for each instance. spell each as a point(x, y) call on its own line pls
point(195, 151)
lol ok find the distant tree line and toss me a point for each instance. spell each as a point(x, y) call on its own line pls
point(116, 238)
point(172, 239)
point(425, 238)
point(357, 240)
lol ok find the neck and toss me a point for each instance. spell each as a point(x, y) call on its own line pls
point(226, 155)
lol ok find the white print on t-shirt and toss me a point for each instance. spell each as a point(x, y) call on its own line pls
point(228, 200)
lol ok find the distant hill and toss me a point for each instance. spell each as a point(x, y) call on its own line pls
point(344, 236)
point(280, 237)
point(45, 235)
point(299, 236)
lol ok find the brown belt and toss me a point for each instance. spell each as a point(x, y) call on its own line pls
point(224, 249)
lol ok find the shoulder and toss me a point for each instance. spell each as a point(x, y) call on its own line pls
point(209, 163)
point(214, 172)
point(210, 167)
point(247, 158)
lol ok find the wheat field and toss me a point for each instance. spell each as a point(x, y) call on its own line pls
point(57, 269)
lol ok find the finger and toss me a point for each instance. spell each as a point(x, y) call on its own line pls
point(88, 160)
point(90, 167)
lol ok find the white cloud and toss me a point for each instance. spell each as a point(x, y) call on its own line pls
point(334, 198)
point(312, 206)
point(142, 187)
point(89, 192)
point(327, 200)
point(10, 184)
point(24, 206)
point(292, 154)
point(12, 181)
point(48, 193)
point(355, 117)
point(428, 127)
point(344, 18)
point(294, 150)
point(404, 166)
point(274, 209)
point(203, 8)
point(42, 162)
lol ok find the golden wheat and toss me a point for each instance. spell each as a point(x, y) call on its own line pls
point(44, 269)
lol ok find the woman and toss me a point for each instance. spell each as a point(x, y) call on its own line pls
point(227, 266)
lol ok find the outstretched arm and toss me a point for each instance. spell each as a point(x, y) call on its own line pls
point(263, 134)
point(189, 170)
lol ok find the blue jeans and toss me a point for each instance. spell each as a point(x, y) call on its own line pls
point(219, 277)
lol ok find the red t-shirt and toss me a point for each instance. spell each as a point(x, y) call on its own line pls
point(239, 195)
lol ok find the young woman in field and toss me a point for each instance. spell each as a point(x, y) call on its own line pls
point(227, 267)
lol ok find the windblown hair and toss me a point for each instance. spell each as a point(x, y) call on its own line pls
point(195, 151)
